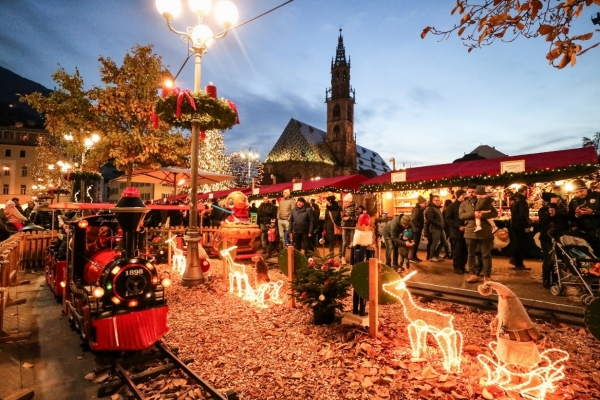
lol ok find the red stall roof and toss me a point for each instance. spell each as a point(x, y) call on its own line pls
point(533, 162)
point(332, 184)
point(215, 195)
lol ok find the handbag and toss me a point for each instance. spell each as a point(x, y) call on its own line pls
point(337, 230)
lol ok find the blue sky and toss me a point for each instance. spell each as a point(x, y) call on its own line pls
point(420, 101)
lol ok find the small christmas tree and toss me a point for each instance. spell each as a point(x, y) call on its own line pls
point(323, 287)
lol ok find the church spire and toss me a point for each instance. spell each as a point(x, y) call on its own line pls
point(340, 54)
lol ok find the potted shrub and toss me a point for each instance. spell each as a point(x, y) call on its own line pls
point(322, 285)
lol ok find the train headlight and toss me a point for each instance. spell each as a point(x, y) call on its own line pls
point(155, 280)
point(116, 300)
point(82, 224)
point(166, 282)
point(133, 303)
point(98, 292)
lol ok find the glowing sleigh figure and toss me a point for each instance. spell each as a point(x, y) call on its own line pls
point(238, 276)
point(424, 321)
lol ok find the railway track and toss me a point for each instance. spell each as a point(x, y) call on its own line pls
point(537, 309)
point(157, 372)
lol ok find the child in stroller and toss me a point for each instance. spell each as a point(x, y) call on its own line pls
point(576, 265)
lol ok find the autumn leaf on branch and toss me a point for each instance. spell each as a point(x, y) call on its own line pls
point(484, 21)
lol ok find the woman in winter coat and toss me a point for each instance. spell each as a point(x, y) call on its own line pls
point(13, 215)
point(332, 215)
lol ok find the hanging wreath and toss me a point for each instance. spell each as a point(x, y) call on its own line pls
point(179, 110)
point(59, 191)
point(83, 175)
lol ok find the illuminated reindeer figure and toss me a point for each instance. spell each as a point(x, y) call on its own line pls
point(423, 321)
point(237, 271)
point(178, 257)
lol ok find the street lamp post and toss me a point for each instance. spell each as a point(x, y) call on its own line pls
point(250, 154)
point(88, 143)
point(200, 38)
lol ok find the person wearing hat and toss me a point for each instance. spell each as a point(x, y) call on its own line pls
point(392, 235)
point(417, 218)
point(283, 215)
point(349, 218)
point(302, 225)
point(457, 233)
point(477, 241)
point(584, 214)
point(520, 225)
point(18, 205)
point(332, 217)
point(552, 223)
point(13, 215)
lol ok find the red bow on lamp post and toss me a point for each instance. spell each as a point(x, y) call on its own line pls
point(186, 93)
point(234, 108)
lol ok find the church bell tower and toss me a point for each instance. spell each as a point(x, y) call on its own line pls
point(340, 111)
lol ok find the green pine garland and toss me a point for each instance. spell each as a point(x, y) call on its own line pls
point(326, 279)
point(211, 113)
point(560, 173)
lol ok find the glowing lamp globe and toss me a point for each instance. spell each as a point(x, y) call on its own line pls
point(226, 13)
point(202, 36)
point(364, 222)
point(168, 8)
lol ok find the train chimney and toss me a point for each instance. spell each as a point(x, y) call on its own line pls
point(130, 211)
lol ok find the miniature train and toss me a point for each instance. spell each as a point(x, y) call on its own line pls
point(112, 293)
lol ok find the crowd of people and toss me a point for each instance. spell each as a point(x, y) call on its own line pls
point(465, 226)
point(13, 217)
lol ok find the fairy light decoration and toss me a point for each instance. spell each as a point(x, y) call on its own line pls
point(178, 262)
point(535, 383)
point(238, 275)
point(424, 321)
point(517, 365)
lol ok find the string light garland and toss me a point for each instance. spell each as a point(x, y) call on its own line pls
point(237, 274)
point(560, 173)
point(295, 193)
point(424, 321)
point(534, 383)
point(85, 175)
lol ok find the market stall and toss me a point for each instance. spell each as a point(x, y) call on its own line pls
point(398, 190)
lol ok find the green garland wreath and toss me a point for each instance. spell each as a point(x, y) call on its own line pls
point(85, 175)
point(212, 113)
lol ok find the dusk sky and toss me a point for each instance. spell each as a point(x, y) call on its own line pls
point(418, 100)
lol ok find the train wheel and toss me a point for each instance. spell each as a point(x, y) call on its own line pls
point(556, 290)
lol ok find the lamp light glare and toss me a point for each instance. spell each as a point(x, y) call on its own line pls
point(166, 282)
point(202, 36)
point(155, 280)
point(569, 186)
point(133, 303)
point(98, 292)
point(226, 13)
point(388, 195)
point(63, 284)
point(168, 8)
point(95, 138)
point(201, 7)
point(149, 266)
point(82, 224)
point(115, 270)
point(116, 300)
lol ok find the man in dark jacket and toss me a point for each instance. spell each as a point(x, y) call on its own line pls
point(391, 234)
point(584, 214)
point(302, 225)
point(552, 223)
point(417, 222)
point(457, 233)
point(265, 213)
point(520, 225)
point(45, 218)
point(435, 220)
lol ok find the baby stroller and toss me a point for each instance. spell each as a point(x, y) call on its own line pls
point(575, 265)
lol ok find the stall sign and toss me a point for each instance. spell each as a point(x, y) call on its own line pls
point(296, 186)
point(512, 166)
point(399, 176)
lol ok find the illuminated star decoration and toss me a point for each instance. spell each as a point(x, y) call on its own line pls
point(237, 273)
point(423, 321)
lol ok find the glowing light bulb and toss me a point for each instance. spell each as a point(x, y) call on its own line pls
point(98, 292)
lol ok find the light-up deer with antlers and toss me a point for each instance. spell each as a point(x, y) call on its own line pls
point(237, 271)
point(423, 321)
point(178, 261)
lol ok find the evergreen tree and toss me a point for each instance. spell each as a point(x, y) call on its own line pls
point(212, 158)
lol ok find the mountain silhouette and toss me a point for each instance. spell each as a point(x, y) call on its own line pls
point(12, 111)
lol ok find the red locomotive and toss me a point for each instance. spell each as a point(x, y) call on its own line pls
point(113, 295)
